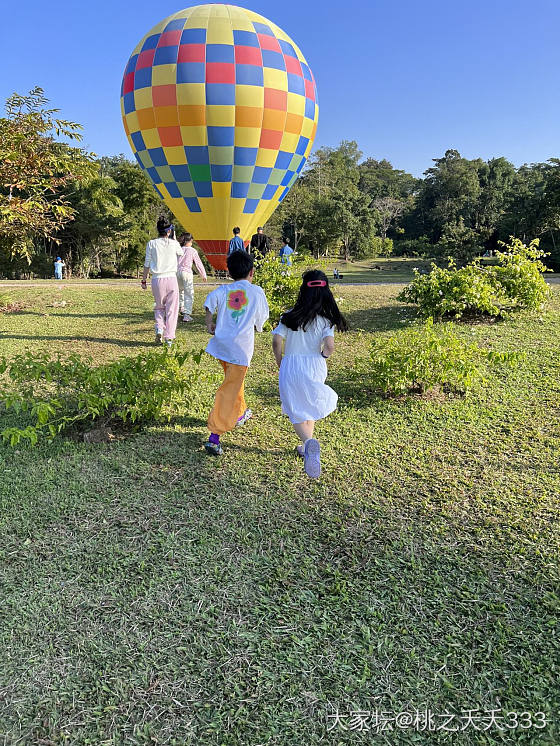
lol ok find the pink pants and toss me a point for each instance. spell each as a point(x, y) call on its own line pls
point(166, 296)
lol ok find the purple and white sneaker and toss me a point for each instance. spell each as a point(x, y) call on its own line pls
point(312, 458)
point(247, 414)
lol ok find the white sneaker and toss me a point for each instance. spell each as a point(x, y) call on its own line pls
point(187, 318)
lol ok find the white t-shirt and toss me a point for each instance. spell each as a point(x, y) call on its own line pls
point(241, 308)
point(306, 342)
point(161, 256)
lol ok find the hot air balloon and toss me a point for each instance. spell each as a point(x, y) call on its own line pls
point(220, 109)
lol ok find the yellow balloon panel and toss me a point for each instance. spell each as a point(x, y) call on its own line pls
point(220, 108)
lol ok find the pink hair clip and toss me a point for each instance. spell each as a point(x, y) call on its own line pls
point(316, 284)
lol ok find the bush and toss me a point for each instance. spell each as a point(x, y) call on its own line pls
point(519, 274)
point(446, 292)
point(515, 283)
point(381, 246)
point(424, 358)
point(280, 283)
point(64, 394)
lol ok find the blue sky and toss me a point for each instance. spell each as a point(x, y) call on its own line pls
point(405, 79)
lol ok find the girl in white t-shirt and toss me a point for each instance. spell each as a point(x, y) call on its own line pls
point(308, 334)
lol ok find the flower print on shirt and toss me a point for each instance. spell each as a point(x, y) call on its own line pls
point(237, 300)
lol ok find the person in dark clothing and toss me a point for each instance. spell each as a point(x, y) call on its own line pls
point(260, 243)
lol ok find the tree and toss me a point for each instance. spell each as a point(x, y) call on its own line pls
point(34, 169)
point(496, 178)
point(450, 192)
point(388, 210)
point(458, 242)
point(380, 179)
point(353, 219)
point(525, 215)
point(293, 217)
point(99, 226)
point(340, 211)
point(141, 207)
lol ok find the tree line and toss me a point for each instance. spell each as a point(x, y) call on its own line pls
point(460, 208)
point(98, 213)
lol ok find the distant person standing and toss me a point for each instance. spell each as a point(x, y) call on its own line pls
point(185, 275)
point(260, 244)
point(286, 252)
point(161, 261)
point(236, 243)
point(58, 265)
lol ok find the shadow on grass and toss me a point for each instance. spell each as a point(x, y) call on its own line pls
point(355, 393)
point(379, 318)
point(269, 451)
point(97, 340)
point(266, 390)
point(122, 437)
point(134, 317)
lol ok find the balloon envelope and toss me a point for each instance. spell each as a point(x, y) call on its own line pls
point(220, 109)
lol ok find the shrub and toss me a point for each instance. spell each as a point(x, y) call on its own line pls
point(381, 246)
point(515, 283)
point(446, 292)
point(280, 283)
point(64, 394)
point(425, 358)
point(519, 274)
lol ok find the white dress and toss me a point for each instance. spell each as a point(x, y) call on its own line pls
point(303, 370)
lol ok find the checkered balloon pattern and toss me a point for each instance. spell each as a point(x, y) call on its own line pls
point(220, 109)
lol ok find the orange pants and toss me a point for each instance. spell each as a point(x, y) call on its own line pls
point(229, 404)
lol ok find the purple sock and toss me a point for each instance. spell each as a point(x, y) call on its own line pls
point(214, 439)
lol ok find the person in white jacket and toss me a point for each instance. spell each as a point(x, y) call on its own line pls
point(161, 261)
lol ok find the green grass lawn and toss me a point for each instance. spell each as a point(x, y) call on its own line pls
point(365, 271)
point(394, 269)
point(152, 595)
point(382, 270)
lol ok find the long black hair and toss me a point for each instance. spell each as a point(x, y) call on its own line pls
point(312, 302)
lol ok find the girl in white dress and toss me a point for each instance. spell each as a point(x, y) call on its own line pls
point(308, 334)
